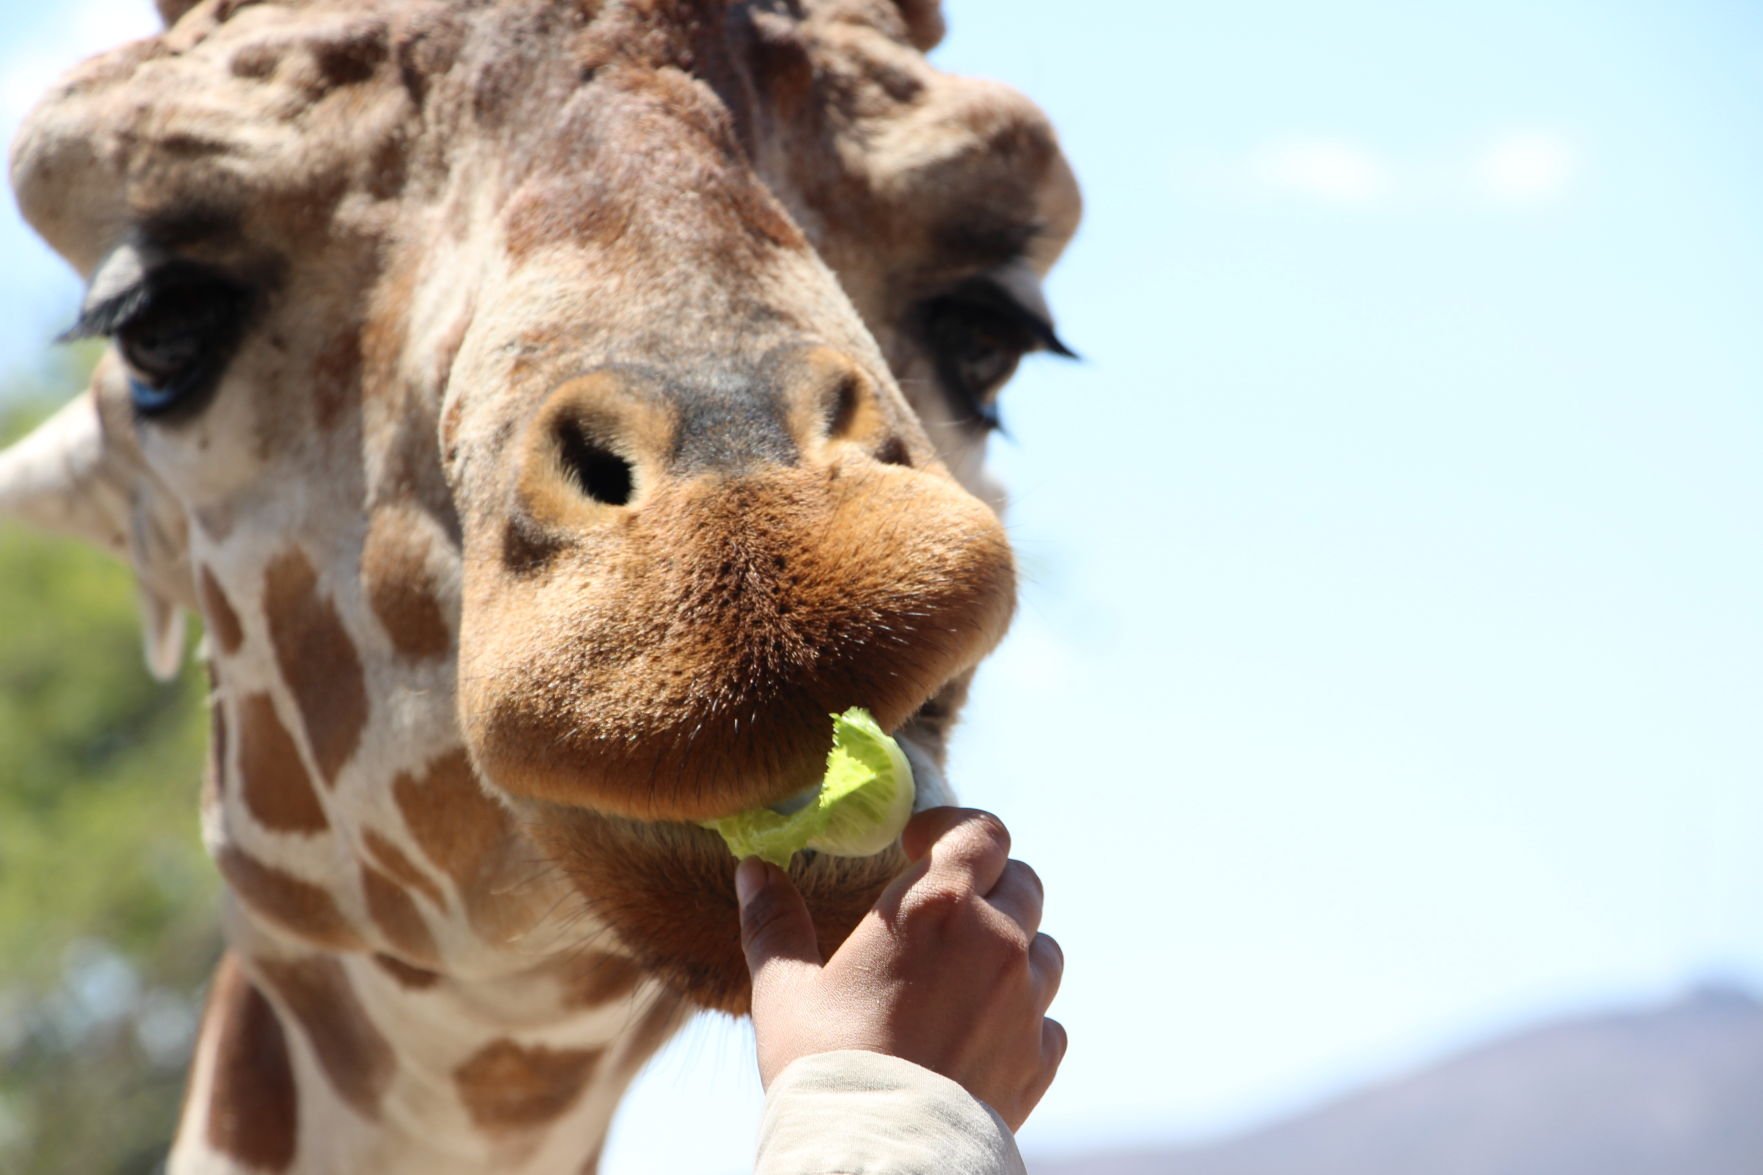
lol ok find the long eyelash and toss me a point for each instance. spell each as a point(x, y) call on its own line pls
point(988, 294)
point(121, 309)
point(1052, 342)
point(110, 315)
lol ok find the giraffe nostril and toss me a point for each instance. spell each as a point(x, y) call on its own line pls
point(894, 452)
point(596, 470)
point(841, 407)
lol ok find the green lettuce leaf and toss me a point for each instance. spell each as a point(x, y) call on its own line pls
point(864, 801)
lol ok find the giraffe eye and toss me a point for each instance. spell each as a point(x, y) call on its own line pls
point(175, 328)
point(976, 334)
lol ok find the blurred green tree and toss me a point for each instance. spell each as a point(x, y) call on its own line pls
point(108, 906)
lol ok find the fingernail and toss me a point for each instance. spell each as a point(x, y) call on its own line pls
point(749, 879)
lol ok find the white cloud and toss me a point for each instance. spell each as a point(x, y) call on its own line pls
point(1525, 168)
point(1514, 169)
point(1335, 171)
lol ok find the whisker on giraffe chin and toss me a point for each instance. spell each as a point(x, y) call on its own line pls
point(568, 895)
point(542, 868)
point(587, 946)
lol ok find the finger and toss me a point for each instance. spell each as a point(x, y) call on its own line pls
point(1054, 1042)
point(1046, 967)
point(973, 846)
point(927, 827)
point(1019, 895)
point(1053, 1045)
point(777, 934)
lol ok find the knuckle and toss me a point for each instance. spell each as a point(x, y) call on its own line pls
point(977, 837)
point(1047, 965)
point(934, 898)
point(1007, 946)
point(1055, 1040)
point(989, 829)
point(1012, 939)
point(1012, 969)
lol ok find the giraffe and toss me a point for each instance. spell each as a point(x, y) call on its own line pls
point(552, 410)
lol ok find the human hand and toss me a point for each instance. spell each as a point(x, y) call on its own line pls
point(947, 970)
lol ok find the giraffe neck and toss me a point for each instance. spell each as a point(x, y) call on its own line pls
point(337, 1062)
point(406, 984)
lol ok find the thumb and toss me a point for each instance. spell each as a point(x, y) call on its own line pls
point(776, 932)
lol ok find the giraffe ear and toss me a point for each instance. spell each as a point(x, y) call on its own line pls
point(65, 477)
point(59, 478)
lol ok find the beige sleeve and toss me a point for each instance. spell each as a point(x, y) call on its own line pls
point(860, 1113)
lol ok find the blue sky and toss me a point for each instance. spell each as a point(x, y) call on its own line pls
point(1390, 660)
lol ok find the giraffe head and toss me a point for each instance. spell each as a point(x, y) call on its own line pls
point(598, 387)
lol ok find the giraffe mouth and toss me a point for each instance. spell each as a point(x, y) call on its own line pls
point(665, 889)
point(930, 786)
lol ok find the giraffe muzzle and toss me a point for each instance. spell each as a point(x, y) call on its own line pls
point(692, 577)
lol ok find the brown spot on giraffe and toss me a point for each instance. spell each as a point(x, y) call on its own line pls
point(222, 620)
point(277, 788)
point(335, 374)
point(455, 822)
point(400, 588)
point(254, 1118)
point(599, 979)
point(507, 1086)
point(350, 55)
point(569, 205)
point(402, 869)
point(318, 660)
point(383, 333)
point(298, 907)
point(358, 1061)
point(464, 833)
point(426, 49)
point(450, 418)
point(396, 915)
